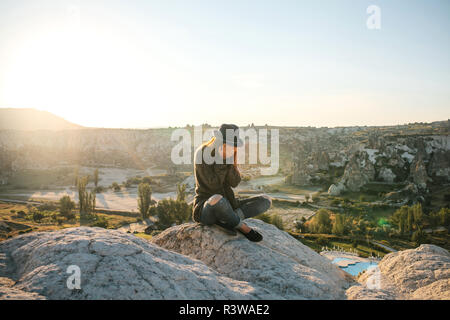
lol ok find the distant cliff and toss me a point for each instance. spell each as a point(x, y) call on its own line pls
point(32, 119)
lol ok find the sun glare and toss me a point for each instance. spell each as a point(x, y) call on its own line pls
point(78, 71)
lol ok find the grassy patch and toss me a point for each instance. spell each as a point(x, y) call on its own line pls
point(143, 235)
point(18, 219)
point(292, 189)
point(42, 179)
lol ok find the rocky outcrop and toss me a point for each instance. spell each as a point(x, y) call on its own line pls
point(419, 173)
point(321, 160)
point(408, 194)
point(386, 175)
point(113, 265)
point(336, 189)
point(279, 264)
point(439, 165)
point(422, 273)
point(358, 172)
point(8, 292)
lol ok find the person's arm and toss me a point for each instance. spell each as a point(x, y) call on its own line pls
point(208, 178)
point(233, 176)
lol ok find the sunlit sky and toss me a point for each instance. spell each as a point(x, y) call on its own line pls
point(169, 63)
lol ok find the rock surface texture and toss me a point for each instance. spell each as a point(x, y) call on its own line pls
point(422, 273)
point(113, 265)
point(194, 261)
point(279, 264)
point(212, 265)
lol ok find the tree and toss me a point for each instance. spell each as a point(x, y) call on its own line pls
point(277, 222)
point(399, 219)
point(96, 177)
point(321, 222)
point(418, 215)
point(37, 216)
point(147, 179)
point(181, 192)
point(171, 212)
point(66, 205)
point(444, 216)
point(418, 237)
point(115, 186)
point(407, 219)
point(340, 225)
point(86, 200)
point(76, 174)
point(144, 199)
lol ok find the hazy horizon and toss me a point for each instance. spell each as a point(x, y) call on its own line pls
point(211, 124)
point(147, 64)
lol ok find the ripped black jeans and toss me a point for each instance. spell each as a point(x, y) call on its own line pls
point(223, 212)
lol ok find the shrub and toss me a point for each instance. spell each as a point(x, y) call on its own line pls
point(115, 186)
point(418, 237)
point(144, 199)
point(37, 216)
point(25, 231)
point(335, 202)
point(66, 205)
point(100, 221)
point(322, 241)
point(170, 212)
point(99, 189)
point(147, 179)
point(181, 192)
point(321, 222)
point(264, 217)
point(277, 222)
point(21, 214)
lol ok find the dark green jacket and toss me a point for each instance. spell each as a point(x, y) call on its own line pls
point(213, 179)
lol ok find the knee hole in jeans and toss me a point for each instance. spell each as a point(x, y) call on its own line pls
point(214, 199)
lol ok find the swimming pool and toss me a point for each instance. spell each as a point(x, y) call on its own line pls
point(355, 268)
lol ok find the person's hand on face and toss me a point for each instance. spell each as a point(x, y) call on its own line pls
point(227, 151)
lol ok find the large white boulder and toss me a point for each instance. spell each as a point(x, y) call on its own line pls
point(113, 265)
point(422, 273)
point(279, 263)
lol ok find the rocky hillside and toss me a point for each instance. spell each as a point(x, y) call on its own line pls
point(350, 159)
point(192, 261)
point(32, 119)
point(421, 273)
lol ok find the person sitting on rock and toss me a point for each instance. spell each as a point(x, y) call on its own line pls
point(214, 200)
